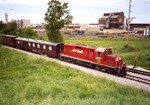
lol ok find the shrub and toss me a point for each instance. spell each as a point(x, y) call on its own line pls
point(128, 48)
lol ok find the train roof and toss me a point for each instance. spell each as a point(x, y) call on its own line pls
point(80, 45)
point(98, 49)
point(8, 35)
point(38, 41)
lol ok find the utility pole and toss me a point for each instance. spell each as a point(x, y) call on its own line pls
point(128, 21)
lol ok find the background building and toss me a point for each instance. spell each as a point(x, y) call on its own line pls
point(21, 23)
point(140, 28)
point(112, 20)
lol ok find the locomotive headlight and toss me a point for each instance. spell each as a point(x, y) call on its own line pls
point(118, 58)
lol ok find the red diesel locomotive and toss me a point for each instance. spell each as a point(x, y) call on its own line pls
point(99, 58)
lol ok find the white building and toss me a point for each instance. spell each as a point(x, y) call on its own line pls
point(21, 23)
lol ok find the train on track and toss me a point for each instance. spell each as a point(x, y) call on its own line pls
point(97, 58)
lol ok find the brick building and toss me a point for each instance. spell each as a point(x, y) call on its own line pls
point(112, 20)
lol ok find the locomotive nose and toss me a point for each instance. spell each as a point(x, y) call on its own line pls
point(118, 59)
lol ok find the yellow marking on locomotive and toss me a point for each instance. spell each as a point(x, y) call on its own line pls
point(99, 61)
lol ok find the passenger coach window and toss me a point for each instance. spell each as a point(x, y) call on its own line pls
point(29, 44)
point(98, 54)
point(18, 42)
point(50, 48)
point(44, 47)
point(38, 46)
point(33, 45)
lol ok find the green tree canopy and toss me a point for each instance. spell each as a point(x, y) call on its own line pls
point(27, 32)
point(56, 17)
point(10, 28)
point(2, 25)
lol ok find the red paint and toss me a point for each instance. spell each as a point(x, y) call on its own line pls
point(101, 56)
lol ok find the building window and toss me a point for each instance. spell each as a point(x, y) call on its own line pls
point(38, 46)
point(120, 20)
point(50, 48)
point(98, 54)
point(29, 44)
point(33, 45)
point(44, 47)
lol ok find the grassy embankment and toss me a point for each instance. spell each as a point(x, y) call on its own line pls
point(27, 80)
point(139, 48)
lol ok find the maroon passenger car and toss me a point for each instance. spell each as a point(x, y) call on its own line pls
point(9, 40)
point(43, 47)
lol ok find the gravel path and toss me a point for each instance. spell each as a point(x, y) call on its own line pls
point(120, 80)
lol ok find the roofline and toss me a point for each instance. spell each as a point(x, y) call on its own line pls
point(113, 12)
point(38, 41)
point(140, 23)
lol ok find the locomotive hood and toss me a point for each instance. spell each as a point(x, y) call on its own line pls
point(116, 57)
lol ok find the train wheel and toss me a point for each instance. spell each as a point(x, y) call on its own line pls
point(123, 72)
point(60, 57)
point(97, 67)
point(110, 71)
point(93, 66)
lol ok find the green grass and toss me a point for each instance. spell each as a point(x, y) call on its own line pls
point(137, 48)
point(27, 80)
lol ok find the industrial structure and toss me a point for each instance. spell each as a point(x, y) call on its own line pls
point(21, 23)
point(112, 20)
point(6, 18)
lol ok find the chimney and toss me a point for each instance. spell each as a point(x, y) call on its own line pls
point(6, 18)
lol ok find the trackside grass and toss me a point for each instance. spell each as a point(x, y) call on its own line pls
point(139, 48)
point(28, 80)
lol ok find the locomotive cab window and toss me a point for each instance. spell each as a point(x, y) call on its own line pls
point(98, 54)
point(107, 52)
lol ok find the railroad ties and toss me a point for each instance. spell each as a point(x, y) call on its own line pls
point(138, 75)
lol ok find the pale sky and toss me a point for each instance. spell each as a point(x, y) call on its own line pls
point(83, 11)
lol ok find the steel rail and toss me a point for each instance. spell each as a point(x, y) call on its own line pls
point(138, 79)
point(146, 73)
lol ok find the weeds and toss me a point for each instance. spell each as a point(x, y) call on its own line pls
point(30, 80)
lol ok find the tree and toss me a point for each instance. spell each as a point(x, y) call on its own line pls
point(56, 17)
point(2, 25)
point(10, 29)
point(27, 32)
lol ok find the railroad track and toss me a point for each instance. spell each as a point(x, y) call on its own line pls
point(137, 78)
point(145, 73)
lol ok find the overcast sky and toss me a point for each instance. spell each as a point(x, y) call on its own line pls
point(83, 11)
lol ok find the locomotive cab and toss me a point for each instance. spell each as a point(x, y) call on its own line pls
point(101, 55)
point(105, 57)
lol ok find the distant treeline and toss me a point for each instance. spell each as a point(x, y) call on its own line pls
point(11, 29)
